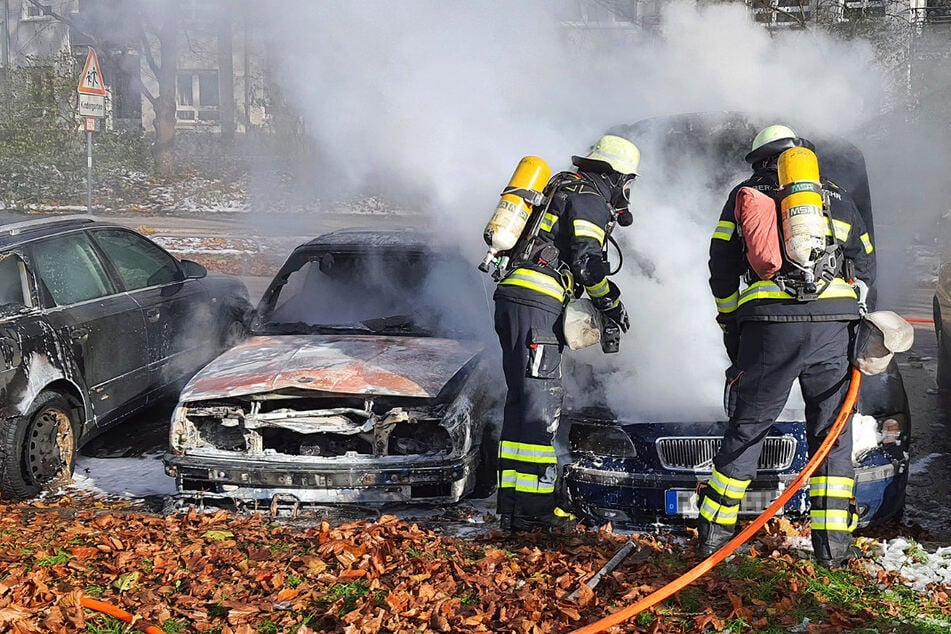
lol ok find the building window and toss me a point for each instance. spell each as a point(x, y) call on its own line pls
point(34, 12)
point(859, 9)
point(198, 99)
point(790, 13)
point(938, 11)
point(610, 14)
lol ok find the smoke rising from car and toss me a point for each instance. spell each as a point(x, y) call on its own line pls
point(431, 104)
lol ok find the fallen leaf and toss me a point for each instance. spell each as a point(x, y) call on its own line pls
point(126, 581)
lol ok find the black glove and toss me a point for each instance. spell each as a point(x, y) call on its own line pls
point(618, 315)
point(731, 336)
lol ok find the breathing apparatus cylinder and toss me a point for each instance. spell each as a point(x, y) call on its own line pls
point(804, 222)
point(524, 190)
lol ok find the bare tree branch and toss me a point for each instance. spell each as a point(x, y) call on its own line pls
point(47, 10)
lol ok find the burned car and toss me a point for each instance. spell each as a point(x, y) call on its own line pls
point(96, 323)
point(366, 379)
point(644, 470)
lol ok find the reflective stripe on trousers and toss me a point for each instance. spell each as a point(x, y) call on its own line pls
point(721, 499)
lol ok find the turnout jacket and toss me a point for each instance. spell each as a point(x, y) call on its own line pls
point(763, 300)
point(576, 224)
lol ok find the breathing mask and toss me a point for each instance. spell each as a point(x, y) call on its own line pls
point(621, 198)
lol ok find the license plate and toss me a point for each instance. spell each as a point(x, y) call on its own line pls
point(684, 502)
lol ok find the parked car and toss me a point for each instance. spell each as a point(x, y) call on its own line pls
point(369, 377)
point(941, 306)
point(646, 472)
point(96, 322)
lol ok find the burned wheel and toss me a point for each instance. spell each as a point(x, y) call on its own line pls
point(943, 377)
point(486, 471)
point(38, 449)
point(234, 333)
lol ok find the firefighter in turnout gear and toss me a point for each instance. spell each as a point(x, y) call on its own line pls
point(776, 333)
point(569, 259)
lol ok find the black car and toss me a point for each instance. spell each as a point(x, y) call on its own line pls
point(370, 377)
point(96, 322)
point(941, 307)
point(644, 472)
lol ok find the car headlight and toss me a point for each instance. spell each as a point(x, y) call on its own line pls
point(894, 430)
point(601, 440)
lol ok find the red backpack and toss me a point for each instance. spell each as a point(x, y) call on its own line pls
point(756, 216)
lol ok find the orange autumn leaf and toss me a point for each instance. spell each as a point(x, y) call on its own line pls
point(83, 552)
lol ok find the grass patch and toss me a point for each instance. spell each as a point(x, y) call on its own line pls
point(61, 557)
point(350, 593)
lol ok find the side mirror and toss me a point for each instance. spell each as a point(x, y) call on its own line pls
point(193, 270)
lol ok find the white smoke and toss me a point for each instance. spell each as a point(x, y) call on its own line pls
point(432, 103)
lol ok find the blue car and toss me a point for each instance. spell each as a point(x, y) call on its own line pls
point(638, 475)
point(642, 474)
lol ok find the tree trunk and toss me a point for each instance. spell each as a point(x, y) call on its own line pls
point(226, 78)
point(163, 150)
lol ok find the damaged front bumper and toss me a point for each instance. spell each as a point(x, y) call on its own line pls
point(264, 481)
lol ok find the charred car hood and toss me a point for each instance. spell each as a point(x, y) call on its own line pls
point(336, 364)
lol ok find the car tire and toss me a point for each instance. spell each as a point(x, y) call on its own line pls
point(233, 333)
point(39, 448)
point(486, 476)
point(943, 375)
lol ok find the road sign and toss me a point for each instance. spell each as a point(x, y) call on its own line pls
point(90, 82)
point(89, 124)
point(92, 105)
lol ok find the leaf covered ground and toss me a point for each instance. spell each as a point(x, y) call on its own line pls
point(247, 573)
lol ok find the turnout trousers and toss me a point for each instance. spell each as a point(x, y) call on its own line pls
point(531, 361)
point(771, 356)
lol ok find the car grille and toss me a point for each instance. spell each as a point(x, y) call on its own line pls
point(696, 453)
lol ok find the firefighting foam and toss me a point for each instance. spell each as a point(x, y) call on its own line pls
point(432, 105)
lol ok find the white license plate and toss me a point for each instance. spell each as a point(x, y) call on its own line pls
point(684, 502)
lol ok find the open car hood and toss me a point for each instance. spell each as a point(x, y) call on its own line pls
point(357, 365)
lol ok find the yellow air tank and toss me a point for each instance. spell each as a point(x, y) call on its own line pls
point(511, 214)
point(803, 219)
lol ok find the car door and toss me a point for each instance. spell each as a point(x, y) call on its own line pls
point(178, 315)
point(103, 327)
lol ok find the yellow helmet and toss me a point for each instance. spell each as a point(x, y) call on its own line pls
point(771, 140)
point(613, 153)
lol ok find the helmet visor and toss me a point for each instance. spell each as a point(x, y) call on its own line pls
point(626, 187)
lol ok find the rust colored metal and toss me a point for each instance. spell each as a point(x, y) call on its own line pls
point(338, 364)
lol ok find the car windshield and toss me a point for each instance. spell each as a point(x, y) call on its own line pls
point(380, 292)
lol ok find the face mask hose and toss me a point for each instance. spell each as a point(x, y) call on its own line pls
point(707, 564)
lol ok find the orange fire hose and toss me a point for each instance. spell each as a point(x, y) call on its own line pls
point(122, 615)
point(918, 320)
point(707, 564)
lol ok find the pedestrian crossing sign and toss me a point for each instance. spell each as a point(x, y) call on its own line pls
point(90, 82)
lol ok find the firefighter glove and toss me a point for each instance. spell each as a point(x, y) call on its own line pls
point(731, 336)
point(618, 314)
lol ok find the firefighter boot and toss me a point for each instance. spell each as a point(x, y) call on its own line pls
point(712, 537)
point(834, 549)
point(554, 522)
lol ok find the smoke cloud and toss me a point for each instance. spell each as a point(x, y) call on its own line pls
point(431, 104)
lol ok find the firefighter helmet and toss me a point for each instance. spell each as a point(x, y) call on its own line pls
point(612, 153)
point(771, 141)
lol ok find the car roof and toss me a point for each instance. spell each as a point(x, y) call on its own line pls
point(18, 228)
point(723, 138)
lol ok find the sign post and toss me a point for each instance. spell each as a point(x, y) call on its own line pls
point(92, 106)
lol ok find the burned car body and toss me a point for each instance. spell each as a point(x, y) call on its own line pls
point(96, 322)
point(645, 472)
point(366, 379)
